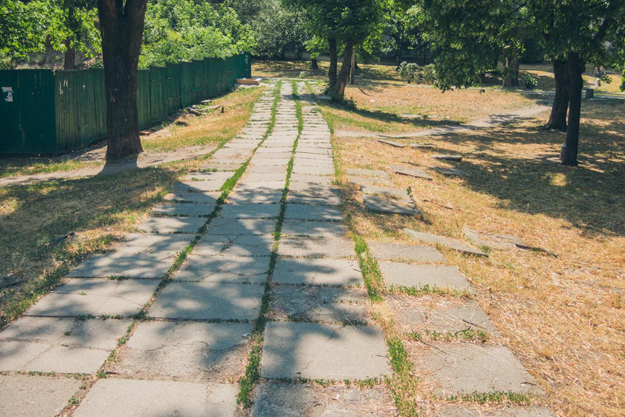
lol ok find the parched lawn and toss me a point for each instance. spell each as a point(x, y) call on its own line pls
point(380, 107)
point(181, 132)
point(544, 73)
point(564, 316)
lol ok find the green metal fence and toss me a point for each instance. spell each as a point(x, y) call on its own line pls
point(51, 112)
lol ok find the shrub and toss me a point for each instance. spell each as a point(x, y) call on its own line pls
point(529, 82)
point(429, 74)
point(409, 71)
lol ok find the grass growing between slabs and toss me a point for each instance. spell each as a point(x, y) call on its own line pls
point(561, 315)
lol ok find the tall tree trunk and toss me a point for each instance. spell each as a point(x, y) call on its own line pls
point(314, 64)
point(332, 72)
point(511, 78)
point(575, 67)
point(122, 29)
point(341, 82)
point(352, 68)
point(69, 61)
point(560, 107)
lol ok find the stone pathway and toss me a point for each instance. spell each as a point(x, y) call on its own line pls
point(162, 334)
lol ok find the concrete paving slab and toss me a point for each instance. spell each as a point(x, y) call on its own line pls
point(384, 191)
point(292, 227)
point(208, 301)
point(408, 275)
point(305, 198)
point(229, 226)
point(318, 304)
point(468, 368)
point(35, 396)
point(254, 169)
point(235, 245)
point(95, 297)
point(224, 269)
point(385, 205)
point(314, 189)
point(396, 251)
point(493, 240)
point(222, 165)
point(311, 156)
point(368, 173)
point(250, 211)
point(184, 210)
point(41, 344)
point(313, 213)
point(446, 242)
point(198, 186)
point(302, 247)
point(187, 197)
point(296, 400)
point(192, 352)
point(256, 197)
point(207, 176)
point(410, 172)
point(442, 315)
point(118, 398)
point(154, 243)
point(313, 170)
point(125, 264)
point(320, 163)
point(271, 162)
point(171, 224)
point(453, 158)
point(255, 187)
point(450, 172)
point(422, 145)
point(323, 351)
point(316, 271)
point(365, 181)
point(393, 143)
point(313, 150)
point(278, 177)
point(475, 411)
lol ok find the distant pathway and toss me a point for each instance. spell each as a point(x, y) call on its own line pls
point(483, 123)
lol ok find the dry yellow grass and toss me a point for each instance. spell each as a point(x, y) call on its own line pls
point(544, 73)
point(563, 317)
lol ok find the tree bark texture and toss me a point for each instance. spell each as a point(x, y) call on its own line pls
point(575, 68)
point(352, 68)
point(121, 27)
point(332, 72)
point(511, 78)
point(69, 61)
point(341, 82)
point(314, 64)
point(560, 107)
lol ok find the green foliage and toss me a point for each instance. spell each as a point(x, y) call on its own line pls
point(183, 30)
point(409, 71)
point(529, 82)
point(22, 28)
point(279, 29)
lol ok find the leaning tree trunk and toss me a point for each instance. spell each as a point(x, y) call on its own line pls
point(122, 31)
point(332, 72)
point(560, 107)
point(575, 68)
point(341, 82)
point(69, 61)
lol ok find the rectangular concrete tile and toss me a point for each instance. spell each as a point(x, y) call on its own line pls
point(439, 276)
point(302, 247)
point(313, 170)
point(292, 227)
point(125, 264)
point(190, 351)
point(184, 210)
point(254, 169)
point(304, 198)
point(225, 226)
point(188, 197)
point(314, 189)
point(252, 270)
point(41, 344)
point(208, 301)
point(95, 297)
point(384, 191)
point(254, 197)
point(250, 211)
point(410, 172)
point(235, 245)
point(264, 177)
point(315, 179)
point(444, 241)
point(154, 243)
point(35, 396)
point(396, 251)
point(468, 368)
point(260, 187)
point(222, 165)
point(119, 398)
point(323, 351)
point(385, 205)
point(296, 400)
point(171, 224)
point(313, 213)
point(441, 315)
point(318, 304)
point(207, 176)
point(315, 271)
point(198, 186)
point(475, 411)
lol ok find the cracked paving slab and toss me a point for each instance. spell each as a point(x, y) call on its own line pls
point(52, 394)
point(224, 269)
point(317, 271)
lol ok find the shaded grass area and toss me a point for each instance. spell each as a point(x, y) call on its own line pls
point(179, 132)
point(544, 74)
point(563, 317)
